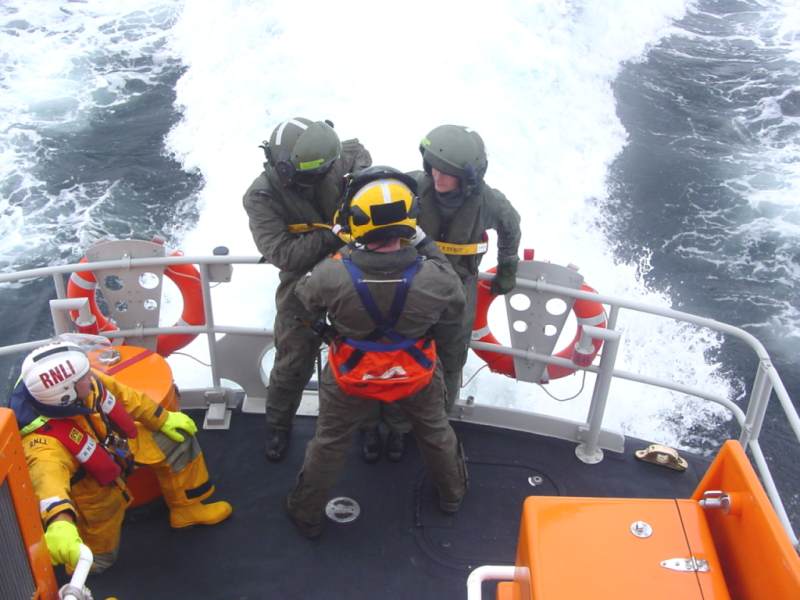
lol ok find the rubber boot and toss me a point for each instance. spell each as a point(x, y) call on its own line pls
point(277, 443)
point(184, 492)
point(310, 531)
point(395, 446)
point(371, 445)
point(198, 513)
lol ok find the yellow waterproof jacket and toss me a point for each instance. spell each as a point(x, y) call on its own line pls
point(53, 468)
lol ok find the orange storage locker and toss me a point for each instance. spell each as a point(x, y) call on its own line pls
point(615, 548)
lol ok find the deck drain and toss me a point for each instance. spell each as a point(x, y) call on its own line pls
point(342, 510)
point(535, 480)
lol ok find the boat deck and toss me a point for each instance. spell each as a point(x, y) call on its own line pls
point(401, 546)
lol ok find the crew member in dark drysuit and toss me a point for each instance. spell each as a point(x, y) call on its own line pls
point(290, 207)
point(380, 296)
point(456, 209)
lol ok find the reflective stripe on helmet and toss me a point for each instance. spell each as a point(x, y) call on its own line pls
point(282, 126)
point(310, 165)
point(385, 189)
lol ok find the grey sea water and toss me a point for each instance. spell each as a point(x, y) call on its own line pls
point(707, 185)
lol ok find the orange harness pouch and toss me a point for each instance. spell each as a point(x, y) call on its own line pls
point(384, 371)
point(386, 374)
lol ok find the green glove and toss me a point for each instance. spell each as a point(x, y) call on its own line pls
point(63, 543)
point(176, 421)
point(505, 279)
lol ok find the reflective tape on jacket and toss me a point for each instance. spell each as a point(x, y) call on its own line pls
point(93, 457)
point(463, 249)
point(306, 227)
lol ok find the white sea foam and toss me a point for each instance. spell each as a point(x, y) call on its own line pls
point(533, 78)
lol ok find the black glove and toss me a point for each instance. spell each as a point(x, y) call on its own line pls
point(505, 279)
point(332, 241)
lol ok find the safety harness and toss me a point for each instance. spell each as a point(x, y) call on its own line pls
point(385, 371)
point(104, 460)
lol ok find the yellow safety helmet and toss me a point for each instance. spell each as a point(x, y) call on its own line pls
point(379, 203)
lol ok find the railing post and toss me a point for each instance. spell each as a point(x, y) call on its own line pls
point(209, 314)
point(58, 282)
point(589, 451)
point(60, 309)
point(757, 405)
point(612, 317)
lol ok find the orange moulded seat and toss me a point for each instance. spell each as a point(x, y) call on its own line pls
point(146, 372)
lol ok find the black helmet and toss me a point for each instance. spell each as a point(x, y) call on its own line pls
point(302, 151)
point(456, 151)
point(379, 203)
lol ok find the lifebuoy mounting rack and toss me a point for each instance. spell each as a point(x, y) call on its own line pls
point(546, 326)
point(143, 288)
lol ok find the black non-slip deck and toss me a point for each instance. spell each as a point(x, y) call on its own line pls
point(401, 546)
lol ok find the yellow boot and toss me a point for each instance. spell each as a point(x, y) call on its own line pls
point(199, 514)
point(184, 481)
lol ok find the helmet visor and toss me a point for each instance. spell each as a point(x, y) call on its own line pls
point(308, 174)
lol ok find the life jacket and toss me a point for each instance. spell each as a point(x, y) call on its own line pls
point(463, 238)
point(105, 461)
point(385, 371)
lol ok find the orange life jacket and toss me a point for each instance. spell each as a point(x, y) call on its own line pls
point(105, 460)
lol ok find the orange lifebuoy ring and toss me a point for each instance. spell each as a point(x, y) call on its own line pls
point(587, 312)
point(186, 277)
point(82, 284)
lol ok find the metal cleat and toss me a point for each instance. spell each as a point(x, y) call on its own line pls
point(716, 500)
point(661, 455)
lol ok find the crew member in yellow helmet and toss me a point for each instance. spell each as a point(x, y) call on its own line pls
point(389, 307)
point(376, 194)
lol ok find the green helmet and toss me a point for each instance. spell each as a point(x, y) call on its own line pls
point(302, 151)
point(456, 151)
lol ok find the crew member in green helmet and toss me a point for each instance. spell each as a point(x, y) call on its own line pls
point(456, 209)
point(290, 206)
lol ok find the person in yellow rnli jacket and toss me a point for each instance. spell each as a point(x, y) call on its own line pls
point(82, 434)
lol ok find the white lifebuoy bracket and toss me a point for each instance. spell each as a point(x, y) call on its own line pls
point(535, 322)
point(133, 294)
